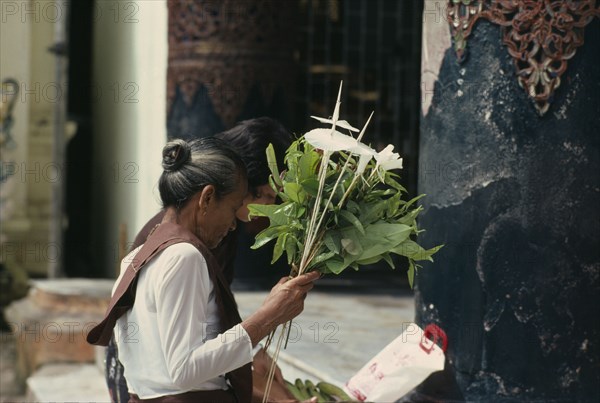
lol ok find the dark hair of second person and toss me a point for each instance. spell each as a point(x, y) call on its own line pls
point(250, 139)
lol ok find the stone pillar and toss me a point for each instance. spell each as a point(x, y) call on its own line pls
point(510, 163)
point(228, 61)
point(129, 123)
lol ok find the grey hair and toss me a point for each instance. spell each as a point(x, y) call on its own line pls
point(189, 166)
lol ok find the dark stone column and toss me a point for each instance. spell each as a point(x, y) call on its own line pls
point(515, 198)
point(229, 60)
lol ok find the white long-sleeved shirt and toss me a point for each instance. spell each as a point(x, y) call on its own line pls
point(169, 341)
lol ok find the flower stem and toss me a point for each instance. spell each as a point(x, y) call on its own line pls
point(337, 182)
point(367, 183)
point(312, 229)
point(274, 359)
point(347, 193)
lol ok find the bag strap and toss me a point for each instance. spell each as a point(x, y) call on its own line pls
point(124, 296)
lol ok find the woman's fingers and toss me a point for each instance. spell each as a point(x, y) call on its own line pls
point(306, 278)
point(307, 287)
point(286, 300)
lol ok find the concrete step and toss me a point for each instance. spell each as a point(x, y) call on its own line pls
point(67, 383)
point(50, 324)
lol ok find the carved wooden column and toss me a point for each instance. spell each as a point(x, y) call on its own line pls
point(228, 60)
point(510, 162)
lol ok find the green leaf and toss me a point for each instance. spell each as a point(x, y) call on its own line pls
point(389, 180)
point(409, 203)
point(388, 260)
point(281, 195)
point(291, 158)
point(410, 217)
point(411, 273)
point(261, 210)
point(299, 211)
point(272, 162)
point(333, 241)
point(379, 238)
point(291, 247)
point(351, 218)
point(278, 249)
point(353, 207)
point(393, 205)
point(372, 212)
point(307, 165)
point(273, 211)
point(391, 231)
point(375, 248)
point(294, 192)
point(414, 251)
point(310, 186)
point(335, 265)
point(269, 234)
point(352, 246)
point(321, 258)
point(371, 260)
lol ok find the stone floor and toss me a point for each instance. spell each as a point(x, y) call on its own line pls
point(338, 332)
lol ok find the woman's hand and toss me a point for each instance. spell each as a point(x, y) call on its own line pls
point(279, 392)
point(284, 302)
point(260, 370)
point(286, 299)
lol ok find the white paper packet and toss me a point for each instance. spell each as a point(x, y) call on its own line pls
point(400, 366)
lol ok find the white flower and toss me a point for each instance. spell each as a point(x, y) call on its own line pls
point(387, 159)
point(329, 140)
point(341, 123)
point(332, 140)
point(365, 154)
point(334, 121)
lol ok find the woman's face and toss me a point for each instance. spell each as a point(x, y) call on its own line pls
point(265, 195)
point(218, 215)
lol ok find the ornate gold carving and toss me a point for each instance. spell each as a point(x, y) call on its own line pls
point(541, 35)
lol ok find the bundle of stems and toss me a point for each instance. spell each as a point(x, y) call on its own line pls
point(340, 209)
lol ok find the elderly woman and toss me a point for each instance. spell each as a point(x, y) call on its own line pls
point(182, 339)
point(249, 139)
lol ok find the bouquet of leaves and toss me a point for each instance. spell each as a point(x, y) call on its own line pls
point(342, 206)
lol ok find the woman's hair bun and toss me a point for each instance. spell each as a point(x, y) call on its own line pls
point(175, 154)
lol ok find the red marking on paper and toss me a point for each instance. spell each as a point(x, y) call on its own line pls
point(437, 333)
point(356, 393)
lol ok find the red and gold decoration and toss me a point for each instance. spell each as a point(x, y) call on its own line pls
point(541, 36)
point(228, 47)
